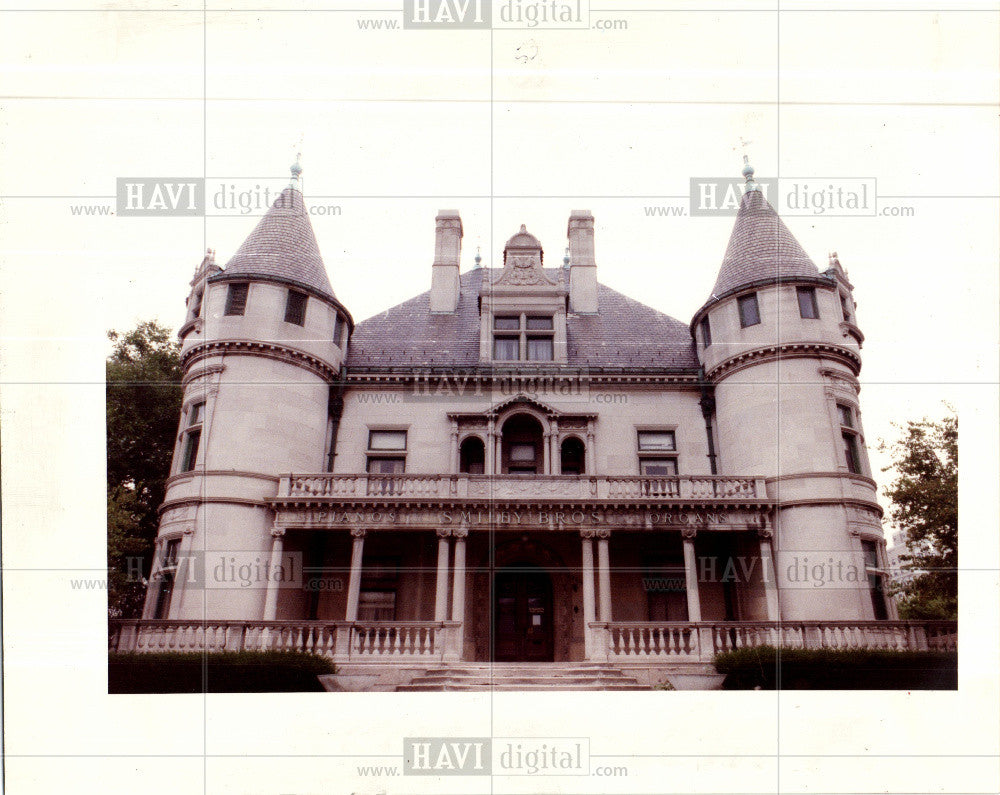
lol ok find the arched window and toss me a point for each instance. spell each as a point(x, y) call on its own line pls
point(472, 456)
point(573, 457)
point(521, 446)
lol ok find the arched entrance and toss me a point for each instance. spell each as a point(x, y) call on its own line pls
point(521, 446)
point(522, 615)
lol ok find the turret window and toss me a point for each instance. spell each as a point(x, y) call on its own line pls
point(236, 298)
point(808, 308)
point(849, 435)
point(192, 436)
point(339, 326)
point(845, 309)
point(749, 310)
point(706, 331)
point(295, 308)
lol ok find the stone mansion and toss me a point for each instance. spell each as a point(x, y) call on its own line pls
point(438, 487)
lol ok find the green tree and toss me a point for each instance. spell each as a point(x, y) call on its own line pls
point(924, 505)
point(143, 399)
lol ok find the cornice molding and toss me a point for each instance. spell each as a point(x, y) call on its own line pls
point(786, 350)
point(267, 350)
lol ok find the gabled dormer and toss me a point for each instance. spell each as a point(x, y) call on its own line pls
point(523, 308)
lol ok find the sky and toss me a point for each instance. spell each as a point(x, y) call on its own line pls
point(511, 127)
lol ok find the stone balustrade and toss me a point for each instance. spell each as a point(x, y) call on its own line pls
point(343, 641)
point(332, 487)
point(651, 640)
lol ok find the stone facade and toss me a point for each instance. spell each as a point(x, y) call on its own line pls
point(521, 459)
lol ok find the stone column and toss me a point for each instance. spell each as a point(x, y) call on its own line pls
point(604, 573)
point(590, 457)
point(152, 593)
point(458, 589)
point(691, 574)
point(454, 447)
point(765, 534)
point(490, 466)
point(589, 608)
point(271, 597)
point(547, 466)
point(556, 455)
point(441, 592)
point(354, 583)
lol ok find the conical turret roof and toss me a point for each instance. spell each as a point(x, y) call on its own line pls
point(282, 248)
point(760, 248)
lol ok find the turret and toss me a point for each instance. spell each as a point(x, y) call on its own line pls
point(262, 349)
point(780, 344)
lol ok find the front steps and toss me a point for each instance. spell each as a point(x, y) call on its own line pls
point(522, 676)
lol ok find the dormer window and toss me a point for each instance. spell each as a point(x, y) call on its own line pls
point(523, 338)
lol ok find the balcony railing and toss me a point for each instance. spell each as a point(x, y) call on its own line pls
point(621, 641)
point(512, 487)
point(647, 640)
point(389, 641)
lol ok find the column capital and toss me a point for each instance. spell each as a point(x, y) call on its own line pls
point(190, 531)
point(689, 533)
point(460, 532)
point(443, 532)
point(588, 533)
point(358, 532)
point(765, 532)
point(603, 534)
point(277, 532)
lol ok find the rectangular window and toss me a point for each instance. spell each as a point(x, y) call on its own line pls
point(539, 324)
point(658, 467)
point(657, 440)
point(170, 550)
point(338, 331)
point(197, 414)
point(706, 331)
point(506, 323)
point(236, 298)
point(295, 308)
point(386, 466)
point(749, 310)
point(808, 308)
point(540, 349)
point(196, 309)
point(846, 416)
point(851, 452)
point(387, 440)
point(377, 606)
point(844, 310)
point(522, 452)
point(506, 349)
point(162, 609)
point(191, 450)
point(876, 582)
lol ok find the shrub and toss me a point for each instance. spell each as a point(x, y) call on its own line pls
point(768, 668)
point(223, 672)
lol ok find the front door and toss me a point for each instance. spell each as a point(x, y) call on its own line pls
point(522, 617)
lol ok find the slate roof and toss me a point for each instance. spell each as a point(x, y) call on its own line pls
point(283, 248)
point(760, 248)
point(625, 334)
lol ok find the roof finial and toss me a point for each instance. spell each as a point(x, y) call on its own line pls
point(566, 258)
point(748, 174)
point(296, 172)
point(479, 258)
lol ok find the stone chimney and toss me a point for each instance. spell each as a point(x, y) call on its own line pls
point(447, 253)
point(582, 267)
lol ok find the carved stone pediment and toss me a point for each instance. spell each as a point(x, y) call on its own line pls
point(522, 262)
